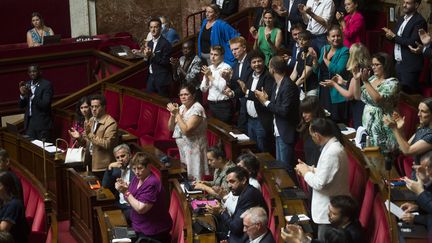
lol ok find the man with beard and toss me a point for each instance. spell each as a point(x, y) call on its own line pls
point(343, 215)
point(119, 169)
point(408, 64)
point(249, 196)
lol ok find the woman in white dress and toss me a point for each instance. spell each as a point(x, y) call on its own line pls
point(189, 124)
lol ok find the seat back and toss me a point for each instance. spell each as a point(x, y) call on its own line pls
point(411, 118)
point(367, 205)
point(357, 178)
point(112, 103)
point(161, 131)
point(378, 231)
point(147, 119)
point(130, 113)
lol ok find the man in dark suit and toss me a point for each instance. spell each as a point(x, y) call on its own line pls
point(35, 98)
point(408, 64)
point(284, 104)
point(291, 60)
point(119, 169)
point(238, 182)
point(241, 72)
point(292, 15)
point(255, 225)
point(227, 7)
point(157, 54)
point(259, 119)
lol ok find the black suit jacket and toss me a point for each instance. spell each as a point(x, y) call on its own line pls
point(250, 197)
point(229, 7)
point(40, 105)
point(268, 238)
point(411, 62)
point(294, 16)
point(355, 232)
point(110, 177)
point(265, 81)
point(424, 201)
point(160, 61)
point(244, 75)
point(285, 107)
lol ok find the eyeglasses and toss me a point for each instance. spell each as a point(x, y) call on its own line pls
point(248, 226)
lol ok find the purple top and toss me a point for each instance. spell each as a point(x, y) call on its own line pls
point(157, 219)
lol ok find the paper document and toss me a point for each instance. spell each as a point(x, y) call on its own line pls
point(302, 217)
point(122, 54)
point(348, 131)
point(240, 137)
point(394, 209)
point(121, 240)
point(360, 131)
point(39, 143)
point(52, 149)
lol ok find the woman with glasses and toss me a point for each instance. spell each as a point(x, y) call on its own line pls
point(380, 93)
point(189, 124)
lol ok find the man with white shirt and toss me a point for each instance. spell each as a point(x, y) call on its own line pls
point(119, 169)
point(330, 177)
point(35, 97)
point(255, 225)
point(241, 71)
point(157, 54)
point(318, 14)
point(259, 119)
point(408, 64)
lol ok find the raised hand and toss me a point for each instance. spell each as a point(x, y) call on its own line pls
point(173, 108)
point(424, 37)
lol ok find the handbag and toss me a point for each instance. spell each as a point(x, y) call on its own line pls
point(75, 155)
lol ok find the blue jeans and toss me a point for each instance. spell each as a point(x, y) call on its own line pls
point(285, 153)
point(318, 41)
point(257, 133)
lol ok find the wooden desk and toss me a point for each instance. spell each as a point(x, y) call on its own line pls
point(83, 223)
point(31, 157)
point(107, 219)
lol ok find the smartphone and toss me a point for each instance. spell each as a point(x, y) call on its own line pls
point(294, 219)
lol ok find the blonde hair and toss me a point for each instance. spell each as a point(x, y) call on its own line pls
point(359, 57)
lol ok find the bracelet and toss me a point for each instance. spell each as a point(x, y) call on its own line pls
point(126, 194)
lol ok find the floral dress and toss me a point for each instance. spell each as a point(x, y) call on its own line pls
point(373, 113)
point(193, 147)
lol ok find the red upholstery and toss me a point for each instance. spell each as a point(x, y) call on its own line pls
point(367, 205)
point(130, 113)
point(357, 179)
point(155, 171)
point(267, 198)
point(60, 129)
point(299, 150)
point(427, 92)
point(404, 165)
point(411, 118)
point(303, 185)
point(34, 210)
point(113, 103)
point(177, 217)
point(213, 140)
point(378, 231)
point(147, 119)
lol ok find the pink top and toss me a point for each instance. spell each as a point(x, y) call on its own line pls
point(354, 29)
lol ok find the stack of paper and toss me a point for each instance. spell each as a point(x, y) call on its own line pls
point(240, 137)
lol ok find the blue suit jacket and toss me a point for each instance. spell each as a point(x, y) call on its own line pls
point(250, 197)
point(160, 62)
point(411, 62)
point(285, 107)
point(110, 177)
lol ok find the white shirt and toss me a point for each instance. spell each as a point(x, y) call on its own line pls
point(258, 239)
point(323, 8)
point(329, 179)
point(250, 105)
point(241, 65)
point(276, 131)
point(216, 87)
point(219, 3)
point(155, 41)
point(397, 47)
point(125, 175)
